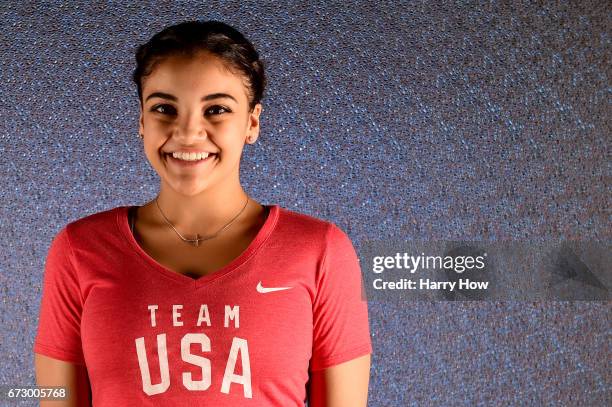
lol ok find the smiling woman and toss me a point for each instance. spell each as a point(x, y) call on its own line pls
point(202, 296)
point(194, 106)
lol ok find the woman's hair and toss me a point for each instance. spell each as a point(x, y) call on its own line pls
point(191, 37)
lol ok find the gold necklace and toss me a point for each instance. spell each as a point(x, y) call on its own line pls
point(198, 239)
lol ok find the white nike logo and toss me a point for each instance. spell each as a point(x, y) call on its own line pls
point(262, 289)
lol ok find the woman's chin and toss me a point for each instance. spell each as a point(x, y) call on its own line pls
point(189, 188)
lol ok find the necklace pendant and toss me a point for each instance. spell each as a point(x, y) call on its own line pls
point(197, 241)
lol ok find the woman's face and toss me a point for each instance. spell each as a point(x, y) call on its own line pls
point(195, 104)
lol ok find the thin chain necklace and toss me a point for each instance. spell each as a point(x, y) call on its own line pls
point(196, 242)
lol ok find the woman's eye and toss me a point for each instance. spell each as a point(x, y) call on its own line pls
point(163, 109)
point(217, 110)
point(167, 109)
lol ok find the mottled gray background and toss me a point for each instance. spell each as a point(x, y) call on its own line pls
point(424, 120)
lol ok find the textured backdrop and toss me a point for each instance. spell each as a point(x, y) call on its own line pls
point(425, 120)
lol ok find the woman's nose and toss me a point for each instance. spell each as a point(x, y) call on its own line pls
point(191, 127)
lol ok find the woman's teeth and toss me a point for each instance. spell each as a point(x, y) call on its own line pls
point(190, 156)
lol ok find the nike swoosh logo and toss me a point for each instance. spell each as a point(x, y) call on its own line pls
point(263, 290)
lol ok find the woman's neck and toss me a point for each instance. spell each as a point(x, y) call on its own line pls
point(204, 213)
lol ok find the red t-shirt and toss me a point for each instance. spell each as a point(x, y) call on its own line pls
point(247, 334)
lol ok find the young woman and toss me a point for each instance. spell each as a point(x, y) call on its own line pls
point(202, 296)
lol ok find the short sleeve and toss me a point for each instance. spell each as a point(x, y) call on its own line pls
point(340, 310)
point(61, 306)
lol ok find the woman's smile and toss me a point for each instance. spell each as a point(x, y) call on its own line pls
point(182, 161)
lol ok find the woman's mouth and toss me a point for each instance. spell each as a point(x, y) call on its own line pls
point(184, 161)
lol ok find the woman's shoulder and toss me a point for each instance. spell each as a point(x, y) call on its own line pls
point(307, 225)
point(95, 222)
point(302, 219)
point(90, 231)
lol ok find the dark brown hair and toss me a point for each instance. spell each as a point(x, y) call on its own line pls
point(215, 37)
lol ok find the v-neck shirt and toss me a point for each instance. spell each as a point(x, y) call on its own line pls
point(249, 333)
point(260, 237)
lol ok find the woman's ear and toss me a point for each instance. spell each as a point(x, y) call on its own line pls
point(253, 129)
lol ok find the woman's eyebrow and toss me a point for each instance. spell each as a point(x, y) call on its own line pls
point(204, 98)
